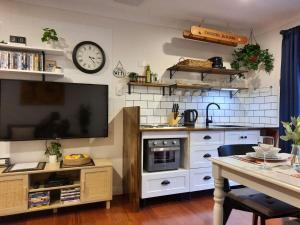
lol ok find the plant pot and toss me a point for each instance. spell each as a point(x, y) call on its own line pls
point(52, 159)
point(50, 44)
point(295, 156)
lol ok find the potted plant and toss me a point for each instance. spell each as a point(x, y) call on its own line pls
point(252, 57)
point(133, 77)
point(292, 133)
point(54, 151)
point(49, 36)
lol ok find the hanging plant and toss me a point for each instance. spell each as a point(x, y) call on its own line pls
point(252, 57)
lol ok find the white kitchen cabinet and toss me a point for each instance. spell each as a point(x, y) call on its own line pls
point(206, 138)
point(201, 179)
point(165, 183)
point(199, 155)
point(242, 137)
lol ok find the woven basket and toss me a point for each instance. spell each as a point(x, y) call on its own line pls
point(196, 63)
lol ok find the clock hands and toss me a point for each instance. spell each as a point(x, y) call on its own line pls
point(92, 58)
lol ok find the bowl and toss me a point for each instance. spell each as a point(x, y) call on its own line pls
point(272, 152)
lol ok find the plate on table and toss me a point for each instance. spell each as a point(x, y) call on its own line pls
point(275, 158)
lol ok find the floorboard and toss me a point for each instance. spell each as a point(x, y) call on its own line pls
point(162, 211)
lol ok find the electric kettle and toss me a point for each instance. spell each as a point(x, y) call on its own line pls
point(190, 117)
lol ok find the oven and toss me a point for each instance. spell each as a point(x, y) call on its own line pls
point(162, 154)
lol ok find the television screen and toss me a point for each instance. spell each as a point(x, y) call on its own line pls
point(34, 110)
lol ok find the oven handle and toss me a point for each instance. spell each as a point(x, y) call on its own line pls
point(164, 149)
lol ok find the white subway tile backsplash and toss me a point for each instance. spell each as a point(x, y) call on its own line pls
point(259, 107)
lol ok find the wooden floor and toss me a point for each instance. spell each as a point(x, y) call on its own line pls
point(174, 211)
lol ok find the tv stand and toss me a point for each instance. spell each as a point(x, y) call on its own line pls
point(94, 182)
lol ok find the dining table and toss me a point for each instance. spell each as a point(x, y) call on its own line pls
point(279, 180)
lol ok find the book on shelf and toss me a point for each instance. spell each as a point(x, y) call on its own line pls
point(21, 60)
point(39, 199)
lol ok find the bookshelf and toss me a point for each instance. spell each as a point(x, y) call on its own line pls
point(16, 63)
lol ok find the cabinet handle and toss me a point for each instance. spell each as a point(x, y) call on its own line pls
point(207, 178)
point(242, 137)
point(207, 137)
point(165, 182)
point(207, 155)
point(245, 137)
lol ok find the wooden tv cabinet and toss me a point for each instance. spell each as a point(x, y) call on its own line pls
point(95, 184)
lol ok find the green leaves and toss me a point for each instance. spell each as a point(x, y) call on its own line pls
point(49, 34)
point(54, 149)
point(251, 57)
point(292, 130)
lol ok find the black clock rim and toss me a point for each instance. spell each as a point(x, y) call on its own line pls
point(78, 65)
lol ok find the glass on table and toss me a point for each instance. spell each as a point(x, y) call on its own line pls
point(266, 144)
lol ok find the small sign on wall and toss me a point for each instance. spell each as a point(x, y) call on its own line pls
point(119, 70)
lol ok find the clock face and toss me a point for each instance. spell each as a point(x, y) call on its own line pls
point(88, 57)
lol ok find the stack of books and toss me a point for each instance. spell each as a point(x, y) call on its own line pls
point(70, 195)
point(21, 61)
point(39, 199)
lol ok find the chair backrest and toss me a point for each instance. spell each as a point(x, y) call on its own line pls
point(229, 150)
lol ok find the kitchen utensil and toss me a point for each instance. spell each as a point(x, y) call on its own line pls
point(271, 153)
point(190, 117)
point(279, 157)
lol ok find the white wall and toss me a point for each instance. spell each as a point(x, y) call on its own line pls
point(132, 43)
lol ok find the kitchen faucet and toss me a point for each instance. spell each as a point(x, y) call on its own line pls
point(208, 121)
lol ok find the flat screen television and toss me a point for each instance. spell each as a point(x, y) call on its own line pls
point(36, 110)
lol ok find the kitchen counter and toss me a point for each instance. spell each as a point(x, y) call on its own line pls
point(212, 128)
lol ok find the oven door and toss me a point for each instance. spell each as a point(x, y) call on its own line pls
point(166, 158)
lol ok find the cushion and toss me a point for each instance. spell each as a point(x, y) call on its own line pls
point(262, 203)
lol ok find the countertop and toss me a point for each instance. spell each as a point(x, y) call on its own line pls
point(145, 129)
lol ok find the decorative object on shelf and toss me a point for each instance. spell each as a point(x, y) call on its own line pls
point(217, 62)
point(154, 77)
point(292, 133)
point(200, 33)
point(49, 37)
point(54, 151)
point(119, 70)
point(3, 42)
point(148, 74)
point(17, 40)
point(50, 65)
point(133, 77)
point(252, 57)
point(4, 162)
point(195, 63)
point(88, 57)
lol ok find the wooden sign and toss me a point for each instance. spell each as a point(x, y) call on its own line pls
point(214, 36)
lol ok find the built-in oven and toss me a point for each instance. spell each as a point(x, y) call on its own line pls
point(161, 154)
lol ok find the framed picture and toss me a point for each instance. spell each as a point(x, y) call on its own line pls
point(50, 65)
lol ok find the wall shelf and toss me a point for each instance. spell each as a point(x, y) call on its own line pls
point(47, 51)
point(204, 71)
point(32, 72)
point(159, 85)
point(233, 90)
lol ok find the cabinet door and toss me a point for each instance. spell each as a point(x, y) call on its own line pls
point(251, 137)
point(13, 194)
point(96, 184)
point(200, 155)
point(234, 137)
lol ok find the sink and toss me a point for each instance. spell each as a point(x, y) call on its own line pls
point(229, 126)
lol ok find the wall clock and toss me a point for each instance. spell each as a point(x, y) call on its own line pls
point(88, 57)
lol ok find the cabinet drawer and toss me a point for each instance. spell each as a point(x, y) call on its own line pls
point(199, 157)
point(242, 137)
point(165, 183)
point(207, 138)
point(201, 179)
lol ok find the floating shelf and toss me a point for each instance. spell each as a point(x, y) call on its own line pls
point(159, 85)
point(33, 72)
point(48, 51)
point(204, 71)
point(233, 90)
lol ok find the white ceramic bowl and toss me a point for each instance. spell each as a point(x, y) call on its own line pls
point(271, 153)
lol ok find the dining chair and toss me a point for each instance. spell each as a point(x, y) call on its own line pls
point(249, 200)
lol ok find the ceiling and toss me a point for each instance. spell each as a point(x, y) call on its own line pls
point(235, 14)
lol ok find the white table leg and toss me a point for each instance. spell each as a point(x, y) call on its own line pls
point(218, 197)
